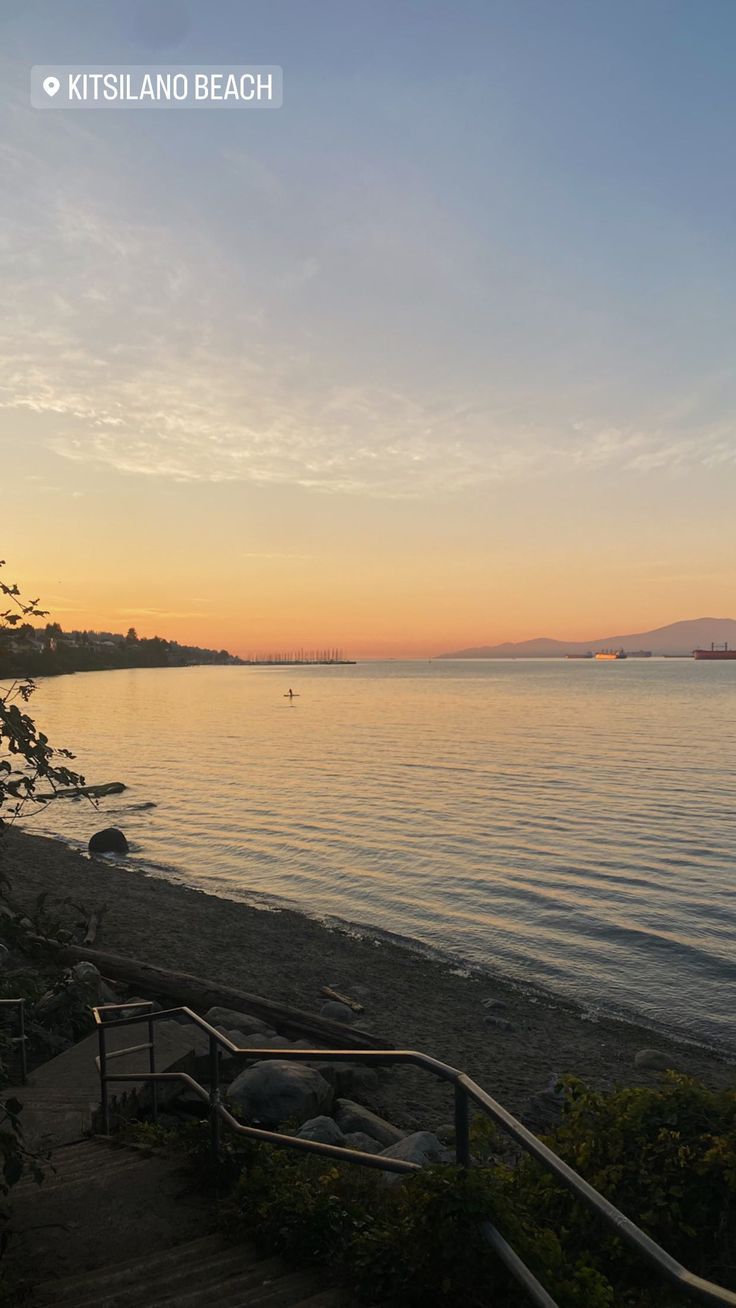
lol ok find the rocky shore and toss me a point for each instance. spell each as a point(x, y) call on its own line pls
point(515, 1045)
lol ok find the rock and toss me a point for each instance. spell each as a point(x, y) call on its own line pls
point(354, 1117)
point(446, 1132)
point(545, 1109)
point(109, 841)
point(365, 1143)
point(81, 988)
point(323, 1129)
point(91, 988)
point(497, 1005)
point(422, 1147)
point(653, 1059)
point(109, 996)
point(4, 956)
point(234, 1021)
point(231, 1064)
point(337, 1012)
point(87, 976)
point(276, 1091)
point(257, 1041)
point(351, 1080)
point(499, 1023)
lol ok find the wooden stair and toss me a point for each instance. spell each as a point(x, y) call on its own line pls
point(116, 1226)
point(201, 1272)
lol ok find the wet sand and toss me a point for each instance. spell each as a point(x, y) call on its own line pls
point(412, 1000)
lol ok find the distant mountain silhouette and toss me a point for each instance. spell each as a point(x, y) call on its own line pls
point(677, 638)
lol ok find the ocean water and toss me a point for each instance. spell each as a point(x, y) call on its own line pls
point(571, 825)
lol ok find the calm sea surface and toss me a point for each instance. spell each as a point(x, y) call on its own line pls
point(569, 824)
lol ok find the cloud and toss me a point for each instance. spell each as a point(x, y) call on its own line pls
point(141, 347)
point(156, 613)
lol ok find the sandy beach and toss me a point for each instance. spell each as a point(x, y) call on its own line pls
point(411, 1000)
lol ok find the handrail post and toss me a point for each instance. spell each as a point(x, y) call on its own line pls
point(104, 1105)
point(22, 1039)
point(152, 1068)
point(462, 1127)
point(214, 1099)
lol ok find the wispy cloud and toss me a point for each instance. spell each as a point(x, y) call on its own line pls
point(136, 350)
point(157, 613)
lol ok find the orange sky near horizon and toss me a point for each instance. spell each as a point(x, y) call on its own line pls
point(252, 571)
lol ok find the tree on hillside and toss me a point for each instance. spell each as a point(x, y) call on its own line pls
point(26, 757)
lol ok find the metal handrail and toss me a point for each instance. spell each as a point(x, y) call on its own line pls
point(684, 1281)
point(21, 1037)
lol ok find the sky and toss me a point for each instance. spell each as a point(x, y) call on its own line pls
point(440, 353)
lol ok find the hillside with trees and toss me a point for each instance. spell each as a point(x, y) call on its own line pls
point(28, 651)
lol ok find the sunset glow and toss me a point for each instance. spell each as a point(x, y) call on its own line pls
point(413, 363)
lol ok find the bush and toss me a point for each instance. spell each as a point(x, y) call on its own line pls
point(666, 1158)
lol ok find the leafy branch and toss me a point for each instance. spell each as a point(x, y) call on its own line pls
point(26, 757)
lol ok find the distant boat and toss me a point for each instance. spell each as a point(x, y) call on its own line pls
point(715, 652)
point(609, 654)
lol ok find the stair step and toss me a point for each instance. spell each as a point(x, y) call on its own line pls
point(65, 1290)
point(282, 1291)
point(232, 1267)
point(77, 1170)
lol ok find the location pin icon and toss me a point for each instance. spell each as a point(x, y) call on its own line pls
point(51, 85)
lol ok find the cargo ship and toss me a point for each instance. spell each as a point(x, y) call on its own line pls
point(611, 654)
point(715, 652)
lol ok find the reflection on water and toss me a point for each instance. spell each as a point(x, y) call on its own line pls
point(570, 823)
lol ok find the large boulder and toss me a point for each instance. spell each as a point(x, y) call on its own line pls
point(422, 1148)
point(352, 1117)
point(276, 1091)
point(365, 1144)
point(109, 841)
point(323, 1129)
point(231, 1064)
point(245, 1023)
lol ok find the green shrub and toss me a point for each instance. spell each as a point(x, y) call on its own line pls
point(666, 1158)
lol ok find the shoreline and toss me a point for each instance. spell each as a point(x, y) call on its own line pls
point(526, 989)
point(411, 997)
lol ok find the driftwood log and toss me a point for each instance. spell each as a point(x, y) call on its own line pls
point(179, 988)
point(342, 999)
point(87, 792)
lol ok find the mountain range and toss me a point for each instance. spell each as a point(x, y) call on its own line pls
point(677, 638)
